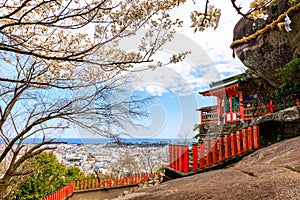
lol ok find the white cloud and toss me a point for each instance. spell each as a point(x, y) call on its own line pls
point(211, 57)
point(214, 43)
point(154, 90)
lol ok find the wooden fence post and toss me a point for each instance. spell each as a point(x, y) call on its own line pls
point(93, 184)
point(180, 160)
point(208, 152)
point(58, 197)
point(110, 182)
point(140, 178)
point(195, 156)
point(239, 142)
point(97, 183)
point(185, 159)
point(245, 139)
point(116, 182)
point(202, 155)
point(121, 181)
point(214, 147)
point(250, 138)
point(137, 178)
point(256, 137)
point(132, 180)
point(221, 147)
point(271, 106)
point(233, 144)
point(227, 146)
point(171, 156)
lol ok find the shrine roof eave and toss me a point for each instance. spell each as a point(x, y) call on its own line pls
point(219, 89)
point(207, 108)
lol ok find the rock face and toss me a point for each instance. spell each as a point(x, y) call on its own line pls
point(269, 173)
point(270, 50)
point(282, 124)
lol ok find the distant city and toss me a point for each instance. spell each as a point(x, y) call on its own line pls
point(113, 159)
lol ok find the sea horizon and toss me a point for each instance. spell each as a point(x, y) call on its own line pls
point(106, 140)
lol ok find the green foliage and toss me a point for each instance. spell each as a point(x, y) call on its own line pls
point(292, 1)
point(91, 176)
point(247, 74)
point(289, 78)
point(274, 3)
point(49, 176)
point(161, 169)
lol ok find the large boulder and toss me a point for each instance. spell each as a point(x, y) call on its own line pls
point(279, 125)
point(272, 49)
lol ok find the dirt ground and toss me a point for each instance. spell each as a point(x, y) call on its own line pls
point(100, 194)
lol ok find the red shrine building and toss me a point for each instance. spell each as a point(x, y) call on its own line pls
point(239, 98)
point(235, 104)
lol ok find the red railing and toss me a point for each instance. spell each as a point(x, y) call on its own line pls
point(209, 117)
point(94, 184)
point(179, 157)
point(61, 194)
point(248, 113)
point(285, 103)
point(214, 150)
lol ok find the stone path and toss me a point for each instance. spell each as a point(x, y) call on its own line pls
point(100, 194)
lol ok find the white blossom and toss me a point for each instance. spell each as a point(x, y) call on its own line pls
point(287, 23)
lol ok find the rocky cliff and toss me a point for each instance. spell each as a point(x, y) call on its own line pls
point(279, 125)
point(272, 49)
point(269, 173)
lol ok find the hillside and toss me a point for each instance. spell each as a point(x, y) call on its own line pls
point(269, 173)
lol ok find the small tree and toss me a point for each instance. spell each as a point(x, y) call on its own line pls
point(129, 164)
point(28, 109)
point(148, 160)
point(48, 176)
point(288, 75)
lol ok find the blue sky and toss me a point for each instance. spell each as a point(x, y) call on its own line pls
point(173, 113)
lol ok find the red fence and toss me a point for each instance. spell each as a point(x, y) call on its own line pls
point(214, 150)
point(248, 113)
point(61, 194)
point(94, 184)
point(179, 157)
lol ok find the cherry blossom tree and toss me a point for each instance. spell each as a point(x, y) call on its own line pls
point(62, 65)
